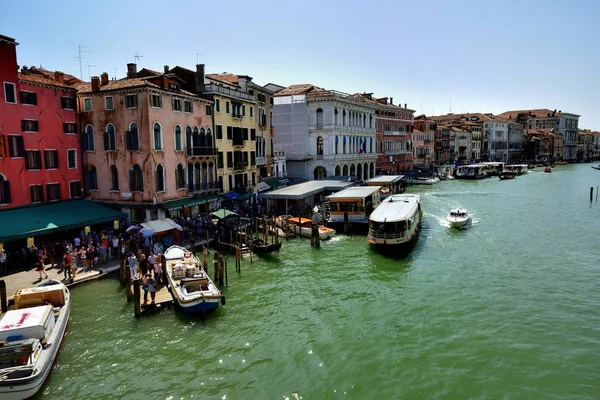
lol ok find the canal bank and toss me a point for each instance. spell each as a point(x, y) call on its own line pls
point(506, 309)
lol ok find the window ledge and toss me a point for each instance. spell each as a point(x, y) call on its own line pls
point(131, 108)
point(51, 169)
point(70, 133)
point(111, 151)
point(159, 151)
point(71, 167)
point(161, 192)
point(30, 131)
point(178, 189)
point(33, 169)
point(114, 191)
point(94, 190)
point(90, 151)
point(158, 108)
point(137, 191)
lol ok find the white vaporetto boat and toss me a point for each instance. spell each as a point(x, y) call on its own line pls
point(458, 218)
point(396, 223)
point(190, 286)
point(31, 335)
point(420, 180)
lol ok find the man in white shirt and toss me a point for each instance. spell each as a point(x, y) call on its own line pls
point(132, 262)
point(151, 261)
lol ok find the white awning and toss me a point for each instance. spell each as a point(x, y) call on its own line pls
point(160, 225)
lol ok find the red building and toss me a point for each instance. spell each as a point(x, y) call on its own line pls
point(39, 141)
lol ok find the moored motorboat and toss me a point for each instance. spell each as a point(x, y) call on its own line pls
point(396, 223)
point(189, 284)
point(302, 227)
point(507, 174)
point(458, 218)
point(31, 335)
point(259, 246)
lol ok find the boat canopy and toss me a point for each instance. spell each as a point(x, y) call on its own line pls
point(398, 207)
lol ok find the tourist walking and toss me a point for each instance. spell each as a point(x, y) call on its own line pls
point(143, 264)
point(158, 269)
point(103, 251)
point(145, 282)
point(115, 247)
point(132, 262)
point(40, 269)
point(3, 261)
point(68, 259)
point(151, 262)
point(151, 288)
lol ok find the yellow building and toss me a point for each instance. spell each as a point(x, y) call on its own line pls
point(236, 121)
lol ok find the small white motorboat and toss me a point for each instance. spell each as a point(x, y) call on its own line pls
point(458, 218)
point(31, 335)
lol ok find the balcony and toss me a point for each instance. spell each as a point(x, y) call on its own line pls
point(238, 142)
point(203, 187)
point(240, 165)
point(394, 133)
point(261, 160)
point(212, 88)
point(236, 116)
point(200, 151)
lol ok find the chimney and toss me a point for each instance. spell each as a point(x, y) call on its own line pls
point(104, 79)
point(405, 105)
point(199, 78)
point(59, 77)
point(166, 69)
point(131, 70)
point(391, 100)
point(95, 83)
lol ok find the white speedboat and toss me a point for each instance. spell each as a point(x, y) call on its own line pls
point(458, 218)
point(303, 227)
point(190, 286)
point(31, 335)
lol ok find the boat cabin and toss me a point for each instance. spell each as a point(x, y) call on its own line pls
point(390, 184)
point(473, 171)
point(458, 213)
point(357, 202)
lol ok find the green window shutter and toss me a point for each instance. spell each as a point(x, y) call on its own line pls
point(131, 181)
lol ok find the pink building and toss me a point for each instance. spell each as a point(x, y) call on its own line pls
point(148, 144)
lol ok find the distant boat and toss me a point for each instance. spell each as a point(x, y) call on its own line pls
point(458, 218)
point(190, 286)
point(548, 169)
point(31, 335)
point(259, 246)
point(420, 180)
point(506, 174)
point(598, 167)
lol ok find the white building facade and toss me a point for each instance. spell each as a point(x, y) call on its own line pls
point(324, 133)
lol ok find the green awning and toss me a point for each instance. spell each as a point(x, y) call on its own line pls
point(274, 183)
point(188, 202)
point(245, 196)
point(48, 218)
point(223, 213)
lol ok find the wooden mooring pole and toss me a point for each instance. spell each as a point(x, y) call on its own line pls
point(136, 298)
point(591, 193)
point(122, 271)
point(128, 283)
point(3, 300)
point(226, 280)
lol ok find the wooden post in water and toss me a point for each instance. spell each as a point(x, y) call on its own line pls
point(3, 302)
point(122, 271)
point(163, 268)
point(591, 193)
point(136, 298)
point(215, 266)
point(225, 266)
point(128, 283)
point(221, 274)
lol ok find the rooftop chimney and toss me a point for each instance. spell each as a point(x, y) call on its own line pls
point(166, 69)
point(104, 78)
point(405, 105)
point(59, 77)
point(95, 83)
point(199, 78)
point(391, 100)
point(131, 70)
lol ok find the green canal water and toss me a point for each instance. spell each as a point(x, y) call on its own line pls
point(507, 309)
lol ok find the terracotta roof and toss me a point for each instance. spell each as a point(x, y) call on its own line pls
point(536, 113)
point(225, 78)
point(297, 89)
point(128, 83)
point(43, 80)
point(69, 79)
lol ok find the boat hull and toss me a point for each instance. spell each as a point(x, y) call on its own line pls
point(27, 387)
point(200, 307)
point(393, 247)
point(458, 223)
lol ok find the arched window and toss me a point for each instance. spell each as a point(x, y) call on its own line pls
point(320, 146)
point(178, 139)
point(188, 139)
point(180, 177)
point(195, 138)
point(202, 137)
point(364, 121)
point(370, 145)
point(88, 140)
point(209, 138)
point(136, 180)
point(190, 177)
point(160, 178)
point(319, 118)
point(132, 137)
point(344, 145)
point(92, 178)
point(320, 173)
point(338, 171)
point(114, 178)
point(4, 190)
point(335, 116)
point(345, 170)
point(110, 138)
point(343, 117)
point(337, 140)
point(371, 121)
point(158, 139)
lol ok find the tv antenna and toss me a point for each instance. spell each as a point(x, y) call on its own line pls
point(90, 71)
point(198, 54)
point(137, 57)
point(115, 75)
point(80, 51)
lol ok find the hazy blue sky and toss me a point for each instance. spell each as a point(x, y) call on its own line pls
point(483, 55)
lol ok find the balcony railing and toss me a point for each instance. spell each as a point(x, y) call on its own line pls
point(234, 115)
point(394, 133)
point(261, 160)
point(203, 187)
point(240, 165)
point(237, 142)
point(200, 151)
point(212, 88)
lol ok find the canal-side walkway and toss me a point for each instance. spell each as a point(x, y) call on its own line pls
point(29, 277)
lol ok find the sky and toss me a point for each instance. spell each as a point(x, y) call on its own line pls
point(433, 55)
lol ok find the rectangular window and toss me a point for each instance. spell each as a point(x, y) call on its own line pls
point(71, 158)
point(53, 191)
point(218, 105)
point(251, 92)
point(245, 133)
point(131, 101)
point(189, 107)
point(29, 125)
point(219, 131)
point(229, 133)
point(75, 190)
point(243, 110)
point(227, 107)
point(37, 193)
point(208, 109)
point(251, 112)
point(176, 104)
point(156, 100)
point(33, 159)
point(51, 159)
point(28, 98)
point(253, 134)
point(109, 103)
point(173, 86)
point(16, 148)
point(230, 159)
point(10, 93)
point(87, 104)
point(67, 103)
point(252, 158)
point(220, 160)
point(69, 127)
